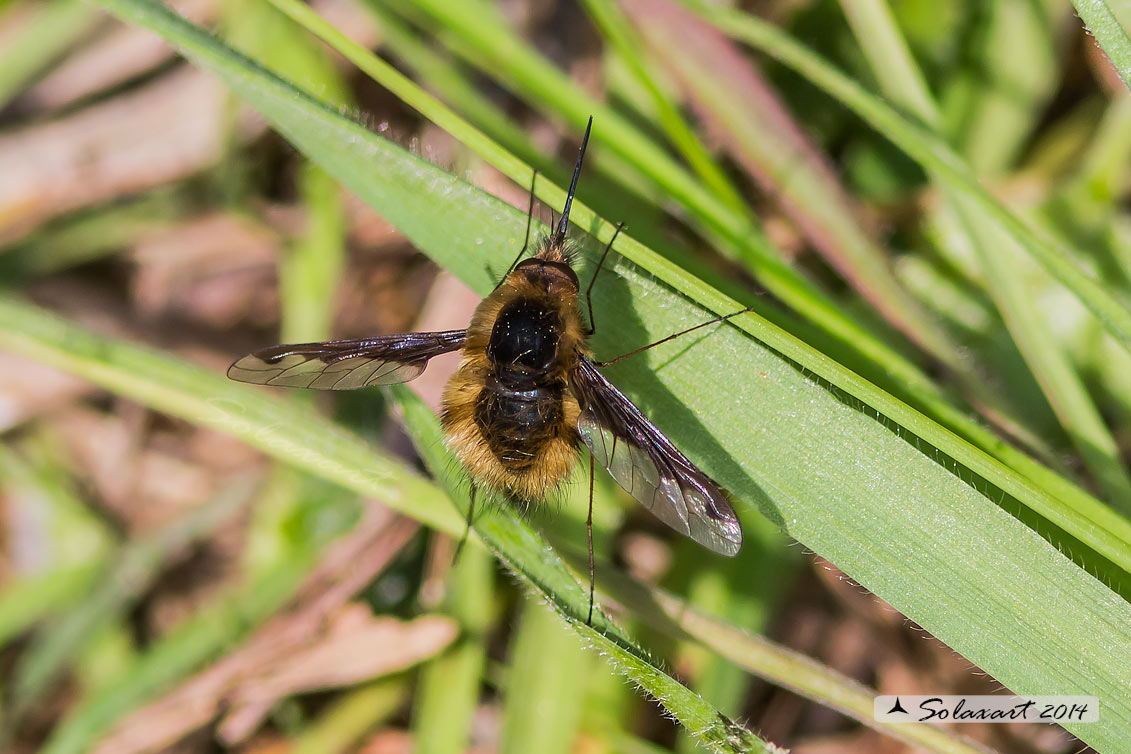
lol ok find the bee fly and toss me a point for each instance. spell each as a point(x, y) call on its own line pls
point(526, 393)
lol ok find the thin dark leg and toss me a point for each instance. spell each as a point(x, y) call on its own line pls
point(673, 337)
point(589, 531)
point(470, 517)
point(592, 280)
point(526, 240)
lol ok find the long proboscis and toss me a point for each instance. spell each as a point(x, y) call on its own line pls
point(563, 223)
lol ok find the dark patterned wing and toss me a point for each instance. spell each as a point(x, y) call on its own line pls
point(346, 364)
point(646, 464)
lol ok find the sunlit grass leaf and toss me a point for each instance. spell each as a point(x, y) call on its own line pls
point(1001, 259)
point(887, 507)
point(526, 554)
point(1106, 21)
point(1048, 494)
point(931, 152)
point(296, 434)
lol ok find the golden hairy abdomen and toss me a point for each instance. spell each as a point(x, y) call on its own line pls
point(530, 466)
point(548, 453)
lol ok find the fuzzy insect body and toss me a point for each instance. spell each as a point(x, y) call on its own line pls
point(508, 412)
point(527, 395)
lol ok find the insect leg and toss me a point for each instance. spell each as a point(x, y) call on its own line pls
point(589, 531)
point(526, 240)
point(673, 337)
point(600, 264)
point(470, 517)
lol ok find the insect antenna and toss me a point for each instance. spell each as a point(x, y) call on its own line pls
point(560, 233)
point(673, 336)
point(526, 238)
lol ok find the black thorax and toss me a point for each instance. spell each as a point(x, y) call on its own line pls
point(520, 406)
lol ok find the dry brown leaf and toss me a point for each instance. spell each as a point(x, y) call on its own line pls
point(389, 742)
point(352, 18)
point(169, 129)
point(143, 485)
point(449, 306)
point(355, 647)
point(28, 388)
point(369, 229)
point(214, 269)
point(121, 54)
point(345, 568)
point(864, 741)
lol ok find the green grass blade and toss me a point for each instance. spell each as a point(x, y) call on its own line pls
point(889, 57)
point(180, 652)
point(1062, 385)
point(750, 120)
point(545, 685)
point(76, 551)
point(31, 599)
point(908, 522)
point(621, 36)
point(501, 53)
point(1109, 33)
point(745, 591)
point(1013, 71)
point(135, 567)
point(51, 28)
point(70, 242)
point(311, 264)
point(930, 152)
point(766, 659)
point(1057, 499)
point(447, 694)
point(526, 554)
point(496, 45)
point(1001, 263)
point(283, 428)
point(445, 78)
point(610, 186)
point(342, 727)
point(311, 268)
